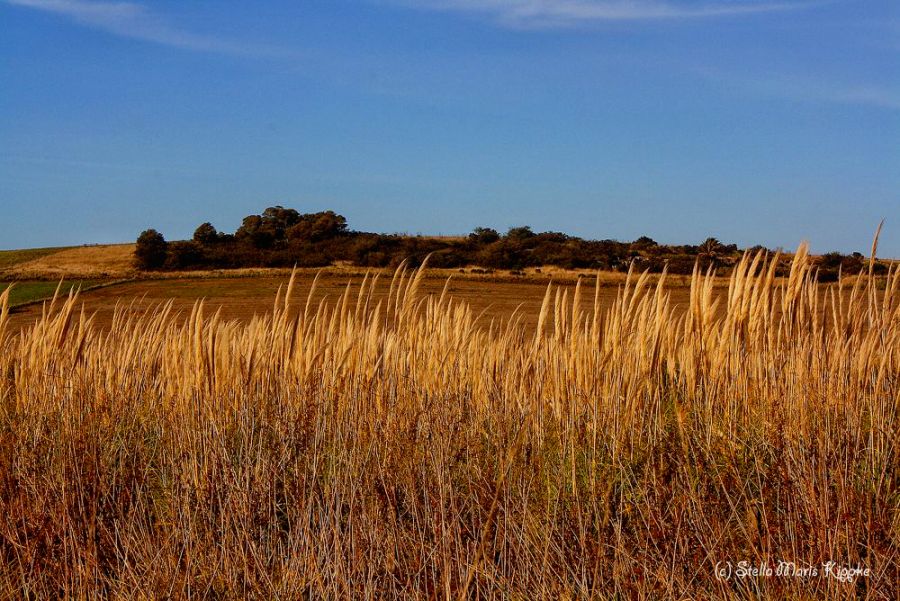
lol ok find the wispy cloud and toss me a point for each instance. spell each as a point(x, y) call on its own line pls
point(136, 21)
point(866, 95)
point(563, 13)
point(885, 95)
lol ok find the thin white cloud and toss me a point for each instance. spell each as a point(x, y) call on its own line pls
point(885, 95)
point(563, 13)
point(136, 21)
point(866, 95)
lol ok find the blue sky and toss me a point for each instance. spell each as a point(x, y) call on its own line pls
point(753, 121)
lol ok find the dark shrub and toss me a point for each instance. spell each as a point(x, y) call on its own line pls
point(206, 234)
point(519, 234)
point(484, 235)
point(184, 255)
point(150, 250)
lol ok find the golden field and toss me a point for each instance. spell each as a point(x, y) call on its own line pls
point(108, 279)
point(242, 296)
point(78, 262)
point(386, 441)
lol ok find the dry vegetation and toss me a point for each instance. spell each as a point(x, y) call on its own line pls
point(92, 262)
point(10, 258)
point(241, 298)
point(116, 261)
point(391, 447)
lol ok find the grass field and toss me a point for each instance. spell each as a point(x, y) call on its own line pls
point(27, 292)
point(102, 261)
point(384, 442)
point(240, 298)
point(242, 295)
point(11, 258)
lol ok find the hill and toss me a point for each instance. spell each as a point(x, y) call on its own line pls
point(103, 261)
point(283, 237)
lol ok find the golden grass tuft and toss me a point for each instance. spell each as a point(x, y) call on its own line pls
point(355, 447)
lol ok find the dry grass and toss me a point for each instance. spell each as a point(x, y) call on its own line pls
point(391, 447)
point(105, 261)
point(10, 258)
point(242, 298)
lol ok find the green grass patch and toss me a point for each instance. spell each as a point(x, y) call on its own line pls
point(9, 258)
point(26, 292)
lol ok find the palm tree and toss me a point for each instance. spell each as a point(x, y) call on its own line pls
point(710, 250)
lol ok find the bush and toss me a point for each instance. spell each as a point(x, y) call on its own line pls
point(283, 237)
point(183, 255)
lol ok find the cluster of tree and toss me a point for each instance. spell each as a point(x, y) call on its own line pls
point(282, 237)
point(831, 265)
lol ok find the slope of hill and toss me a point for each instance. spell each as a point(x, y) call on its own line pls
point(11, 258)
point(101, 261)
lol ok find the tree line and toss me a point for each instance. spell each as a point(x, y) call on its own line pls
point(284, 237)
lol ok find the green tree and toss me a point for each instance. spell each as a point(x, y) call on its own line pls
point(150, 250)
point(484, 235)
point(710, 247)
point(256, 231)
point(278, 218)
point(206, 234)
point(711, 250)
point(313, 227)
point(184, 254)
point(520, 233)
point(644, 242)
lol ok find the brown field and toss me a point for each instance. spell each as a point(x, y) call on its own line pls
point(242, 294)
point(240, 298)
point(112, 261)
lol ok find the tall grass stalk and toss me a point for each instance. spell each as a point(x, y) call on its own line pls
point(363, 448)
